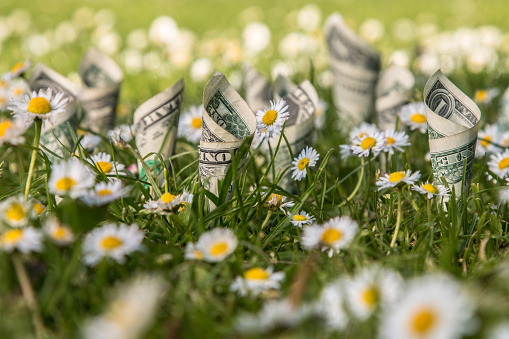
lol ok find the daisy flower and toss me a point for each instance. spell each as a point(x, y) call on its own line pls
point(38, 105)
point(124, 132)
point(25, 240)
point(192, 253)
point(503, 195)
point(17, 70)
point(257, 280)
point(90, 141)
point(104, 193)
point(271, 119)
point(431, 190)
point(18, 87)
point(39, 207)
point(504, 140)
point(485, 96)
point(499, 164)
point(397, 179)
point(300, 219)
point(330, 306)
point(372, 143)
point(345, 151)
point(430, 307)
point(190, 124)
point(332, 236)
point(168, 202)
point(70, 177)
point(217, 244)
point(104, 164)
point(490, 134)
point(14, 212)
point(413, 115)
point(277, 201)
point(11, 131)
point(186, 199)
point(111, 241)
point(395, 141)
point(307, 158)
point(363, 130)
point(60, 234)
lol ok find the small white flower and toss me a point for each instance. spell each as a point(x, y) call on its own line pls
point(257, 280)
point(395, 141)
point(307, 158)
point(17, 70)
point(11, 131)
point(124, 132)
point(499, 164)
point(373, 143)
point(300, 219)
point(277, 201)
point(111, 241)
point(413, 115)
point(490, 134)
point(102, 161)
point(14, 212)
point(18, 87)
point(397, 178)
point(270, 120)
point(25, 240)
point(60, 234)
point(192, 253)
point(363, 130)
point(335, 234)
point(38, 105)
point(503, 195)
point(431, 190)
point(70, 177)
point(104, 193)
point(345, 151)
point(256, 37)
point(201, 69)
point(190, 124)
point(90, 141)
point(485, 96)
point(217, 244)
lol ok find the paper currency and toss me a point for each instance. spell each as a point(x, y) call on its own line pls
point(393, 90)
point(453, 122)
point(101, 79)
point(227, 121)
point(355, 66)
point(156, 123)
point(43, 77)
point(257, 88)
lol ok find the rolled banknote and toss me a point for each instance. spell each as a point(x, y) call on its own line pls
point(227, 121)
point(393, 90)
point(101, 79)
point(156, 123)
point(453, 122)
point(257, 88)
point(53, 137)
point(355, 66)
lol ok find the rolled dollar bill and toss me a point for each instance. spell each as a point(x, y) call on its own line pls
point(257, 88)
point(53, 137)
point(393, 90)
point(453, 122)
point(355, 66)
point(156, 123)
point(227, 122)
point(101, 79)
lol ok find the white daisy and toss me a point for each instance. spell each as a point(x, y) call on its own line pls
point(503, 139)
point(25, 240)
point(217, 244)
point(190, 124)
point(39, 208)
point(330, 306)
point(11, 131)
point(257, 280)
point(503, 195)
point(90, 141)
point(38, 105)
point(270, 120)
point(277, 201)
point(125, 132)
point(307, 158)
point(373, 143)
point(169, 203)
point(192, 253)
point(335, 234)
point(151, 206)
point(102, 161)
point(413, 115)
point(70, 177)
point(430, 307)
point(431, 190)
point(104, 192)
point(490, 134)
point(17, 70)
point(345, 151)
point(186, 199)
point(397, 179)
point(111, 241)
point(485, 96)
point(18, 87)
point(499, 164)
point(60, 234)
point(363, 130)
point(300, 219)
point(395, 141)
point(14, 212)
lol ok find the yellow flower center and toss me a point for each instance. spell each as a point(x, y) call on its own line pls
point(39, 208)
point(65, 183)
point(430, 188)
point(198, 255)
point(390, 140)
point(104, 166)
point(330, 236)
point(370, 296)
point(109, 243)
point(277, 197)
point(423, 321)
point(504, 163)
point(4, 126)
point(17, 67)
point(167, 197)
point(298, 217)
point(269, 117)
point(60, 233)
point(104, 192)
point(39, 105)
point(183, 207)
point(196, 123)
point(15, 212)
point(11, 236)
point(397, 176)
point(219, 248)
point(368, 142)
point(302, 163)
point(3, 100)
point(481, 95)
point(362, 134)
point(256, 274)
point(486, 141)
point(17, 92)
point(418, 118)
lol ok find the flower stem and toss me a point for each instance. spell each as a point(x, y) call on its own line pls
point(38, 127)
point(428, 201)
point(398, 220)
point(361, 176)
point(266, 221)
point(368, 188)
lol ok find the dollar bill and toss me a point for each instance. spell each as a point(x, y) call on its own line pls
point(101, 78)
point(156, 123)
point(257, 88)
point(227, 121)
point(393, 90)
point(453, 123)
point(53, 137)
point(355, 66)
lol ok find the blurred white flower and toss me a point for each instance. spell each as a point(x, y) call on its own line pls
point(404, 29)
point(109, 43)
point(257, 280)
point(38, 45)
point(25, 240)
point(399, 58)
point(372, 30)
point(132, 60)
point(309, 17)
point(163, 30)
point(256, 37)
point(66, 32)
point(152, 61)
point(480, 59)
point(137, 39)
point(201, 70)
point(84, 17)
point(60, 234)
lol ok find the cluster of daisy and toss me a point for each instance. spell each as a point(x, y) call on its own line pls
point(169, 203)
